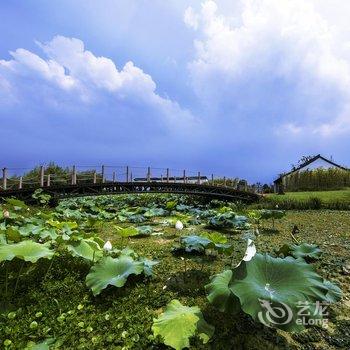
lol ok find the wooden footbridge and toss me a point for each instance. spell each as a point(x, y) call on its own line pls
point(120, 180)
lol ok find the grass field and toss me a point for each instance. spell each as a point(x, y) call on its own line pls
point(326, 196)
point(338, 200)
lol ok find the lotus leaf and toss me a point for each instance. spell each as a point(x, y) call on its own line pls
point(229, 220)
point(154, 212)
point(127, 231)
point(200, 244)
point(145, 230)
point(265, 284)
point(216, 237)
point(85, 248)
point(334, 293)
point(13, 234)
point(148, 266)
point(115, 272)
point(220, 294)
point(178, 323)
point(272, 214)
point(16, 203)
point(171, 205)
point(305, 250)
point(25, 250)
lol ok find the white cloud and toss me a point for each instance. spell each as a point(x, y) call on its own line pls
point(191, 18)
point(81, 77)
point(275, 43)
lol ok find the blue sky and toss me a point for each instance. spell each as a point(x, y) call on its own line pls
point(239, 88)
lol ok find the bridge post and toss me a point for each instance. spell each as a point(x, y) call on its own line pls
point(167, 175)
point(113, 176)
point(131, 176)
point(4, 179)
point(95, 177)
point(184, 176)
point(225, 181)
point(127, 174)
point(20, 185)
point(212, 179)
point(74, 176)
point(103, 173)
point(42, 173)
point(48, 184)
point(161, 177)
point(148, 174)
point(199, 178)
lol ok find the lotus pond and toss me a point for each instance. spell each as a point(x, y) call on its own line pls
point(164, 271)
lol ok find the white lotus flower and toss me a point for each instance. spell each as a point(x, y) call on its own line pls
point(251, 250)
point(6, 214)
point(107, 246)
point(179, 225)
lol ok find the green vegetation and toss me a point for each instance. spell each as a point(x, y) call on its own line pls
point(87, 274)
point(319, 179)
point(325, 196)
point(337, 200)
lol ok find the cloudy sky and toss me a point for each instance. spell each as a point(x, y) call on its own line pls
point(241, 87)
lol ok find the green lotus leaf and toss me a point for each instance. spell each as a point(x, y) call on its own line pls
point(30, 229)
point(114, 272)
point(178, 323)
point(216, 237)
point(199, 244)
point(272, 214)
point(145, 230)
point(220, 294)
point(25, 250)
point(195, 243)
point(13, 234)
point(154, 212)
point(16, 203)
point(137, 218)
point(48, 233)
point(305, 250)
point(129, 252)
point(45, 345)
point(2, 239)
point(265, 282)
point(86, 248)
point(229, 220)
point(148, 266)
point(334, 293)
point(61, 225)
point(127, 231)
point(171, 205)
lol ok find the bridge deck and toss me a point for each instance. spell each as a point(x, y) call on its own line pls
point(106, 188)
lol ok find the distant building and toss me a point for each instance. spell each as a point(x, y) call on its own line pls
point(317, 162)
point(188, 179)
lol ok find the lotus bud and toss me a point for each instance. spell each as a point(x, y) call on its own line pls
point(107, 246)
point(6, 214)
point(179, 225)
point(276, 206)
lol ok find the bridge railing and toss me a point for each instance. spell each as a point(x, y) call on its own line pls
point(42, 177)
